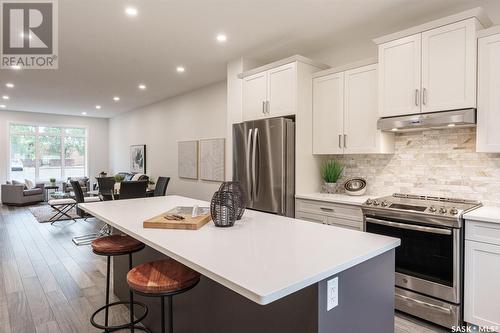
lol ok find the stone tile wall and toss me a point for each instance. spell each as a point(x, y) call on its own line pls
point(440, 162)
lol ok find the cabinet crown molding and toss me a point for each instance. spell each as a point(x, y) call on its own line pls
point(488, 32)
point(294, 58)
point(479, 13)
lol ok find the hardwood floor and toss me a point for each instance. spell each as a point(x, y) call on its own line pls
point(49, 285)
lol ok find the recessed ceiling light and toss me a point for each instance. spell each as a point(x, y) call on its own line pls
point(9, 85)
point(451, 125)
point(116, 98)
point(142, 86)
point(181, 69)
point(84, 113)
point(394, 129)
point(97, 107)
point(131, 11)
point(221, 38)
point(16, 67)
point(2, 105)
point(5, 97)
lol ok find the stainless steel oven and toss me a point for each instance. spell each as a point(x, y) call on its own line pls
point(429, 261)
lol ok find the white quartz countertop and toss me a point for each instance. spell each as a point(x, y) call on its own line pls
point(485, 214)
point(264, 257)
point(335, 198)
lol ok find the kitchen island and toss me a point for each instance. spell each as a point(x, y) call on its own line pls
point(268, 273)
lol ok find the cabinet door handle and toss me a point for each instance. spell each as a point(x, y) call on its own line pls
point(268, 107)
point(340, 141)
point(424, 96)
point(345, 140)
point(326, 209)
point(417, 95)
point(263, 107)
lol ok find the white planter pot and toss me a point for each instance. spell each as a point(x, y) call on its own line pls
point(330, 187)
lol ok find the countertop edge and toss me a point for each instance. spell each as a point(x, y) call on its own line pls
point(347, 200)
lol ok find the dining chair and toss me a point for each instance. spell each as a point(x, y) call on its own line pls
point(133, 189)
point(106, 187)
point(79, 197)
point(161, 186)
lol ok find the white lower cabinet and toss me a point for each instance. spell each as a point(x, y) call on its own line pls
point(482, 274)
point(339, 215)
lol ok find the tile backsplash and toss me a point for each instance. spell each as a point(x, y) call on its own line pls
point(441, 162)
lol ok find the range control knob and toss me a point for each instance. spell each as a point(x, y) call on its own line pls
point(442, 210)
point(453, 211)
point(376, 203)
point(432, 209)
point(369, 201)
point(384, 203)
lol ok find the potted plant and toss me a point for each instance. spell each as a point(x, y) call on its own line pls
point(119, 178)
point(151, 184)
point(331, 172)
point(52, 181)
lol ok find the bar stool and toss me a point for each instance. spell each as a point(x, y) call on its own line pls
point(162, 278)
point(110, 246)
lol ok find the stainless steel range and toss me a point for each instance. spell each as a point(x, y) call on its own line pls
point(429, 262)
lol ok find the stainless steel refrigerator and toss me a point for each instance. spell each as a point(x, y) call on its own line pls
point(264, 164)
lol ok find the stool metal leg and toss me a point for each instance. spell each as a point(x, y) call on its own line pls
point(163, 315)
point(108, 273)
point(170, 315)
point(131, 297)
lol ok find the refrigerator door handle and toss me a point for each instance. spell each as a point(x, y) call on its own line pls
point(249, 179)
point(254, 166)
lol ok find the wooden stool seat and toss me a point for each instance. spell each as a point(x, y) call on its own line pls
point(116, 245)
point(161, 277)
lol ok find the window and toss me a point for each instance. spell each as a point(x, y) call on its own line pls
point(43, 152)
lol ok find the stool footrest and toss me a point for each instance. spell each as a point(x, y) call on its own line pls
point(122, 326)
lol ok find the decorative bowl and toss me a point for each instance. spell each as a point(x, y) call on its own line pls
point(355, 186)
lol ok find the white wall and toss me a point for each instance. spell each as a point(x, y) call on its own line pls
point(97, 137)
point(200, 114)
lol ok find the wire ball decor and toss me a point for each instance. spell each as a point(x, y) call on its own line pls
point(227, 205)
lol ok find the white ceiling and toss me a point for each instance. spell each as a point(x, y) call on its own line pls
point(103, 52)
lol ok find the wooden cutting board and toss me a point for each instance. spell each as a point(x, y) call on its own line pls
point(189, 222)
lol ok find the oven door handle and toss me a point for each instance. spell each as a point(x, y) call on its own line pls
point(437, 307)
point(409, 226)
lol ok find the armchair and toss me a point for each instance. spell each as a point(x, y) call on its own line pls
point(84, 183)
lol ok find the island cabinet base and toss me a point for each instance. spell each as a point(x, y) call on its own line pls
point(365, 303)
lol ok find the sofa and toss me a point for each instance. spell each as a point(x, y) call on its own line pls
point(128, 176)
point(84, 183)
point(19, 195)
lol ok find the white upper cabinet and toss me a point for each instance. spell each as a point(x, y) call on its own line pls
point(449, 67)
point(434, 70)
point(254, 96)
point(345, 114)
point(488, 107)
point(277, 89)
point(399, 79)
point(281, 90)
point(328, 114)
point(360, 111)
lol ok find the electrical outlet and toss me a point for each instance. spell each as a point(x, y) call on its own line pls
point(332, 293)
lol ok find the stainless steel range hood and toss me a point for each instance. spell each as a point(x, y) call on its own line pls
point(464, 117)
